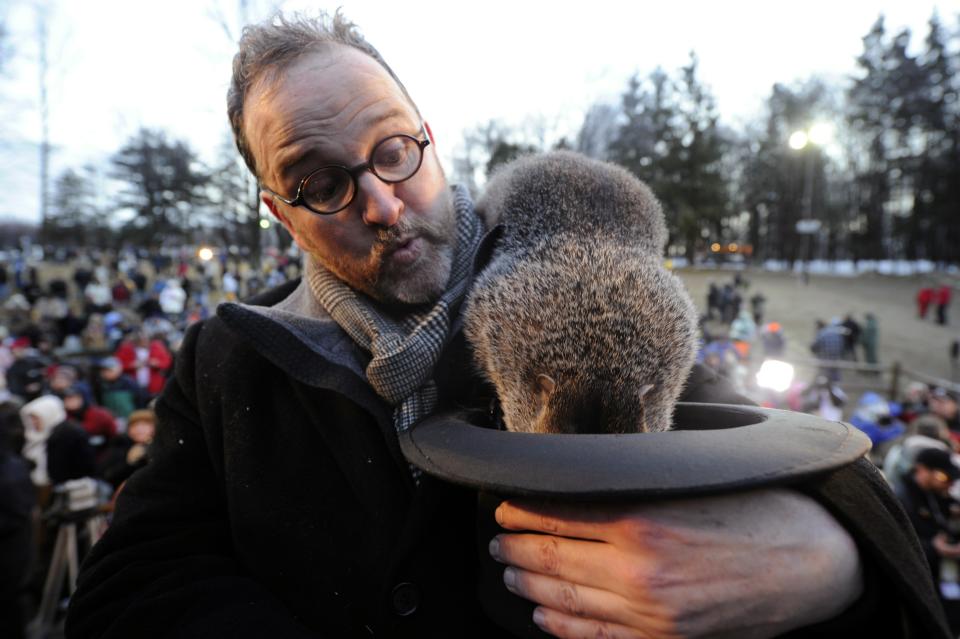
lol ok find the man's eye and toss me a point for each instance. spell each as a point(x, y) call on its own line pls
point(323, 188)
point(391, 154)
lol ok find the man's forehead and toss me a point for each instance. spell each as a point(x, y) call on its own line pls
point(328, 97)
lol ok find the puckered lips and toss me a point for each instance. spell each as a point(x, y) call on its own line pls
point(405, 251)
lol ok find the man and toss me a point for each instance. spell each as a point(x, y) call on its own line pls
point(944, 404)
point(277, 502)
point(828, 346)
point(935, 514)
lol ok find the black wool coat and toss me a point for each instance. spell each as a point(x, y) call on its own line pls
point(277, 504)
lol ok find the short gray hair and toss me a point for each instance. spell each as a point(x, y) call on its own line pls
point(272, 45)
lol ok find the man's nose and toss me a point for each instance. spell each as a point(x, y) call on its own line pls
point(381, 207)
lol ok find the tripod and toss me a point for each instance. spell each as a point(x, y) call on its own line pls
point(64, 563)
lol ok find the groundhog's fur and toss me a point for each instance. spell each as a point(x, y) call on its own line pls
point(575, 321)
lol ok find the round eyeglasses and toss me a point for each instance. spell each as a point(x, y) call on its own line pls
point(332, 188)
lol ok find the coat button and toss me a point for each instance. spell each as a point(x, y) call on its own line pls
point(405, 598)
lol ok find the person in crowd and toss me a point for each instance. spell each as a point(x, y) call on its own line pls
point(276, 501)
point(926, 431)
point(230, 286)
point(146, 360)
point(828, 346)
point(955, 355)
point(172, 299)
point(25, 377)
point(851, 337)
point(869, 339)
point(4, 281)
point(120, 292)
point(935, 513)
point(128, 452)
point(713, 300)
point(98, 296)
point(943, 403)
point(942, 300)
point(742, 333)
point(18, 500)
point(773, 339)
point(57, 447)
point(82, 276)
point(915, 401)
point(118, 393)
point(924, 298)
point(66, 376)
point(99, 423)
point(757, 305)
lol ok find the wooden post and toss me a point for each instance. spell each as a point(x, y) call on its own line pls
point(895, 381)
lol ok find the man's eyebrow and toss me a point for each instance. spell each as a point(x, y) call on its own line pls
point(301, 154)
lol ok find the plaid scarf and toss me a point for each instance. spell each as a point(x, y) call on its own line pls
point(403, 352)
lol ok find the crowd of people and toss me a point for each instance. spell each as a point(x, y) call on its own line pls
point(922, 465)
point(916, 441)
point(86, 345)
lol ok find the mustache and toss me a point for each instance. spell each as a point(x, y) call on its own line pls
point(388, 239)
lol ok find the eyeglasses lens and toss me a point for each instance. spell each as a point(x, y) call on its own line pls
point(396, 159)
point(329, 189)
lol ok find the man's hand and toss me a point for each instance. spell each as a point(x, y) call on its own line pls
point(944, 548)
point(750, 565)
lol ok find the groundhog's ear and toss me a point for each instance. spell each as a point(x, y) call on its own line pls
point(545, 387)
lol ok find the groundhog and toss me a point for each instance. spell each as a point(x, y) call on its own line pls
point(575, 321)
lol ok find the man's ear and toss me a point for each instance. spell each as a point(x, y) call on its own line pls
point(426, 125)
point(271, 205)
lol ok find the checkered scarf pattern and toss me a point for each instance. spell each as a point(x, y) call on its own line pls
point(403, 352)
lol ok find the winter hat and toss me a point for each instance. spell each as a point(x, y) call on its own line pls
point(942, 393)
point(50, 412)
point(21, 342)
point(110, 363)
point(937, 459)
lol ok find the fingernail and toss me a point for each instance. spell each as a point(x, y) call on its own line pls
point(495, 548)
point(538, 618)
point(498, 514)
point(510, 579)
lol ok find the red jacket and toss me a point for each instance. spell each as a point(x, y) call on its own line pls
point(158, 361)
point(943, 295)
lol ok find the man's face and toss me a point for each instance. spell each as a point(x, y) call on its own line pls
point(395, 241)
point(73, 402)
point(930, 480)
point(943, 406)
point(141, 431)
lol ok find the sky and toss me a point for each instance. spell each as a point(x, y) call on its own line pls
point(118, 65)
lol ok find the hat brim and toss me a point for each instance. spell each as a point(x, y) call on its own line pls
point(713, 448)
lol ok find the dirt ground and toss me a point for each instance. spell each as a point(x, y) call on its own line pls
point(918, 345)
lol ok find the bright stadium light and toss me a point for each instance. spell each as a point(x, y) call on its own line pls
point(205, 254)
point(798, 140)
point(775, 375)
point(821, 133)
point(264, 223)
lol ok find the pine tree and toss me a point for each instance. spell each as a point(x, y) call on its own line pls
point(870, 116)
point(165, 187)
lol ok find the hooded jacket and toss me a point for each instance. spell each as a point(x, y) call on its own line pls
point(40, 417)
